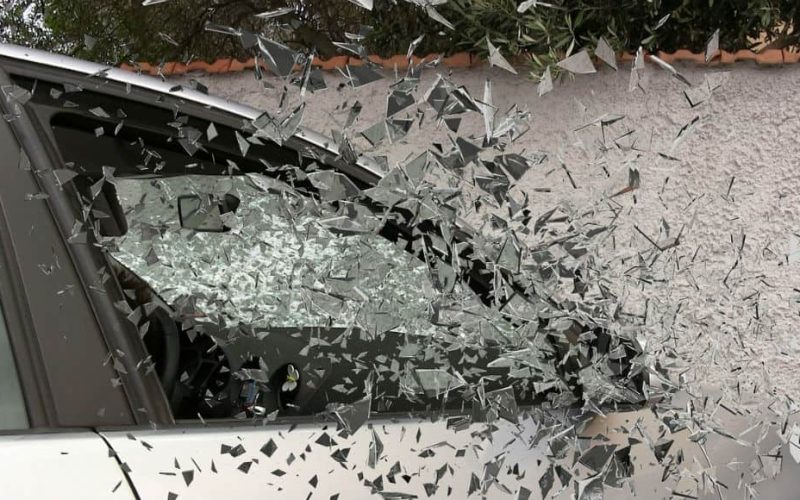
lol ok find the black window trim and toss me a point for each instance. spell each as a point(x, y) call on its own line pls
point(174, 101)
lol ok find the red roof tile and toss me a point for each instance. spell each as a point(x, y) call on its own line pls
point(458, 60)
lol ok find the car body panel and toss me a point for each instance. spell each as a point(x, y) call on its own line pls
point(60, 465)
point(65, 342)
point(340, 465)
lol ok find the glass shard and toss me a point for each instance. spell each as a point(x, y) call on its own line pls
point(637, 71)
point(545, 82)
point(358, 76)
point(605, 53)
point(497, 59)
point(671, 69)
point(398, 101)
point(271, 14)
point(712, 46)
point(579, 64)
point(280, 59)
point(436, 16)
point(413, 46)
point(367, 4)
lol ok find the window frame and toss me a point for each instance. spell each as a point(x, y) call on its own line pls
point(88, 311)
point(42, 143)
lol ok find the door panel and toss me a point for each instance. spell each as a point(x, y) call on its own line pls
point(219, 462)
point(63, 465)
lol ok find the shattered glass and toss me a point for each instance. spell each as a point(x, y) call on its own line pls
point(545, 83)
point(497, 59)
point(527, 5)
point(445, 285)
point(637, 71)
point(359, 76)
point(275, 13)
point(605, 53)
point(712, 47)
point(295, 246)
point(579, 64)
point(279, 58)
point(671, 69)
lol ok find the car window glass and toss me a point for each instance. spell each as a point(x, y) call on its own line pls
point(12, 405)
point(290, 284)
point(277, 266)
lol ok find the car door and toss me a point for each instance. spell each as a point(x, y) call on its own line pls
point(359, 456)
point(51, 354)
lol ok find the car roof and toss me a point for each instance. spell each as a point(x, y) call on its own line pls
point(164, 86)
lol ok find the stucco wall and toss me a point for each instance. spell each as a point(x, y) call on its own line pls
point(730, 182)
point(746, 135)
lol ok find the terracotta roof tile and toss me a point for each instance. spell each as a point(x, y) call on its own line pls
point(332, 63)
point(458, 60)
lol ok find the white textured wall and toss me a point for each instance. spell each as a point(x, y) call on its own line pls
point(747, 131)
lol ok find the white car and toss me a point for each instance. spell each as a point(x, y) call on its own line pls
point(201, 300)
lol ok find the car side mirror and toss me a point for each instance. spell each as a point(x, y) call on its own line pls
point(204, 212)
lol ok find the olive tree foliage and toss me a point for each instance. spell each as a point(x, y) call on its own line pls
point(545, 32)
point(114, 31)
point(22, 22)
